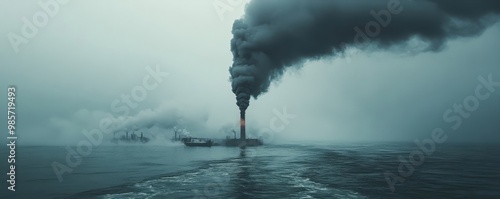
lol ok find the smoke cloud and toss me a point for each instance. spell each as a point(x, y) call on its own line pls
point(274, 35)
point(157, 123)
point(165, 117)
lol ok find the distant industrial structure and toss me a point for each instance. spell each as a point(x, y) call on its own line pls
point(133, 138)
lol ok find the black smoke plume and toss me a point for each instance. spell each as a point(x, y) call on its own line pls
point(276, 34)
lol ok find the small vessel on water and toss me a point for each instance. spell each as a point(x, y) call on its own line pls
point(204, 142)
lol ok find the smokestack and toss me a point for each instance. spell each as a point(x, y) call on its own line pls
point(242, 125)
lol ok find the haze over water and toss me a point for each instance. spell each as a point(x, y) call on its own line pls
point(354, 99)
point(309, 170)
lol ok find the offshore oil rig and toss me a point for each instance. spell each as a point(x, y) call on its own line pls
point(242, 142)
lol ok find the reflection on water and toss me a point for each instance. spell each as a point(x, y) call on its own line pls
point(243, 181)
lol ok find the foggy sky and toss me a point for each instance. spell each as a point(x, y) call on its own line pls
point(91, 53)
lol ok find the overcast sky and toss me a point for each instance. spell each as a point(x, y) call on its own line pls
point(91, 53)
